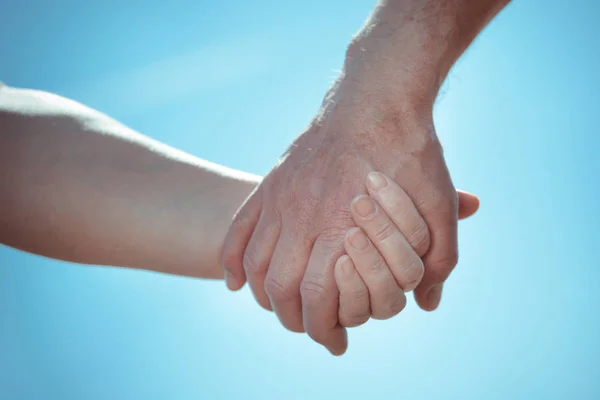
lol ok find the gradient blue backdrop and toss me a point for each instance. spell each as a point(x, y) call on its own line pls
point(234, 82)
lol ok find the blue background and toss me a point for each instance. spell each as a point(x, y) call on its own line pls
point(234, 82)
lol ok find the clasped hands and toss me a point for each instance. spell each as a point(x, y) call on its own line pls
point(358, 211)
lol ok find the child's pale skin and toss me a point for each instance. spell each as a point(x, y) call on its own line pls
point(384, 251)
point(80, 187)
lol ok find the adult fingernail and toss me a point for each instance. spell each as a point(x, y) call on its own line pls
point(364, 206)
point(358, 239)
point(435, 295)
point(376, 181)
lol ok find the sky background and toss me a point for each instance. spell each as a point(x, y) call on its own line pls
point(234, 82)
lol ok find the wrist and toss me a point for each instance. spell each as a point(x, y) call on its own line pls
point(217, 207)
point(366, 116)
point(409, 46)
point(409, 70)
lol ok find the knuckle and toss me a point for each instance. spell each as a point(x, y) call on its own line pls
point(413, 274)
point(377, 265)
point(392, 306)
point(384, 231)
point(359, 294)
point(312, 291)
point(355, 318)
point(414, 263)
point(277, 291)
point(419, 238)
point(251, 265)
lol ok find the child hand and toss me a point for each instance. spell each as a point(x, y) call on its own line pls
point(384, 251)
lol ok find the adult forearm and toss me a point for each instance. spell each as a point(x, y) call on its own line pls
point(78, 186)
point(408, 46)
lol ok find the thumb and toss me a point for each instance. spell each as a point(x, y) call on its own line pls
point(468, 204)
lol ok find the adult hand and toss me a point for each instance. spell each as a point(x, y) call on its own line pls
point(289, 233)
